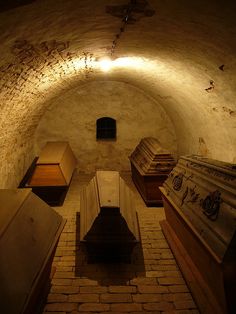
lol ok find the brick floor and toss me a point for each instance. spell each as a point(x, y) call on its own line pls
point(151, 283)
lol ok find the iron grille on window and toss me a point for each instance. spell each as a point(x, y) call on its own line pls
point(106, 128)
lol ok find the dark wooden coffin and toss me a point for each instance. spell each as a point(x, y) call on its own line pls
point(29, 232)
point(51, 173)
point(108, 219)
point(200, 206)
point(150, 166)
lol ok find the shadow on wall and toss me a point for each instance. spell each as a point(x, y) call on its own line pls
point(202, 148)
point(107, 271)
point(12, 4)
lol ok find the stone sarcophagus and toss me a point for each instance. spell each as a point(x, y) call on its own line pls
point(150, 166)
point(108, 219)
point(51, 173)
point(29, 232)
point(200, 205)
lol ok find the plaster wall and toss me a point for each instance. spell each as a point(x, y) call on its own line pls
point(72, 117)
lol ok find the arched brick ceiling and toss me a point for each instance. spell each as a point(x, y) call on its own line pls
point(183, 55)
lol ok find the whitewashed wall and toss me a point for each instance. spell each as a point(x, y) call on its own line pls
point(72, 117)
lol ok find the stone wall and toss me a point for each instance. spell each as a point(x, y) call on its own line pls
point(181, 55)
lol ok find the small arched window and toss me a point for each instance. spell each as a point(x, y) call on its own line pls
point(106, 128)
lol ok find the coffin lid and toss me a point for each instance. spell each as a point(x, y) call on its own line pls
point(154, 146)
point(222, 166)
point(52, 153)
point(204, 191)
point(11, 201)
point(54, 166)
point(150, 157)
point(29, 231)
point(107, 190)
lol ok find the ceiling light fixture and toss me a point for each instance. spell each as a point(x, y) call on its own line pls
point(105, 65)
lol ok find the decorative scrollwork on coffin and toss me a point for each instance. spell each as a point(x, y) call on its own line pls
point(193, 195)
point(184, 196)
point(211, 205)
point(178, 181)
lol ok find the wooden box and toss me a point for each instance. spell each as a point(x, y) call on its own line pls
point(29, 232)
point(54, 166)
point(51, 173)
point(150, 166)
point(200, 206)
point(108, 219)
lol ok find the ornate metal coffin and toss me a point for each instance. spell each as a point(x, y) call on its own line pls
point(50, 173)
point(200, 205)
point(29, 232)
point(150, 166)
point(108, 220)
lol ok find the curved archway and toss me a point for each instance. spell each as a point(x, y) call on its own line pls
point(182, 57)
point(72, 117)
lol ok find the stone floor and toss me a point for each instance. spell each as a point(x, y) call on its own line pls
point(151, 283)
